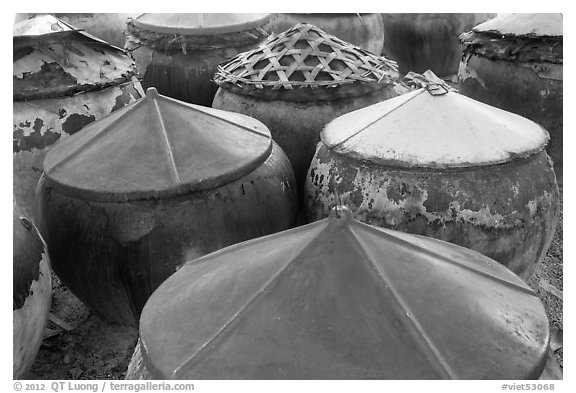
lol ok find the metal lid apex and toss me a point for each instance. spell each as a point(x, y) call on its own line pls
point(152, 92)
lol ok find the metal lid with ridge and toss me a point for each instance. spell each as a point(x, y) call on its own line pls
point(157, 147)
point(434, 127)
point(339, 299)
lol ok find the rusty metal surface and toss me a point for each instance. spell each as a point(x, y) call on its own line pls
point(178, 148)
point(339, 299)
point(64, 62)
point(114, 255)
point(507, 212)
point(38, 124)
point(32, 292)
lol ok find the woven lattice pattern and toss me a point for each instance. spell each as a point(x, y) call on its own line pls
point(305, 56)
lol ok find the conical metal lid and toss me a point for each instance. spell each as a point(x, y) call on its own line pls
point(339, 299)
point(423, 129)
point(157, 147)
point(200, 23)
point(530, 25)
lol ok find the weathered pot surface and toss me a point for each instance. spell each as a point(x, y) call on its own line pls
point(109, 27)
point(325, 78)
point(443, 166)
point(339, 299)
point(63, 79)
point(515, 62)
point(128, 201)
point(32, 292)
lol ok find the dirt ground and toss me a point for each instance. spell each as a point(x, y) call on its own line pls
point(80, 345)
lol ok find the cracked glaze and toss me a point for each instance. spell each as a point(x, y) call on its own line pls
point(507, 212)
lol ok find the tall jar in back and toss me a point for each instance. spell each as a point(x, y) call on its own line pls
point(178, 53)
point(298, 81)
point(362, 30)
point(420, 42)
point(514, 62)
point(123, 205)
point(63, 79)
point(436, 163)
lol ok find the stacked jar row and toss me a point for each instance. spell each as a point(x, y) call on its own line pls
point(127, 202)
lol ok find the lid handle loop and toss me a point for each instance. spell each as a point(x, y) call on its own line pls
point(436, 90)
point(429, 81)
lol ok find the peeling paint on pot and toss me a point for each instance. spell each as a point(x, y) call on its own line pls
point(507, 212)
point(515, 62)
point(32, 293)
point(38, 124)
point(64, 79)
point(407, 164)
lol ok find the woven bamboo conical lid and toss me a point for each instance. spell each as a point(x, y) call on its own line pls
point(339, 299)
point(304, 62)
point(157, 147)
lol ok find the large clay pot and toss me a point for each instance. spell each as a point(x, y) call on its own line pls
point(179, 53)
point(362, 30)
point(63, 80)
point(515, 62)
point(297, 82)
point(125, 203)
point(32, 291)
point(443, 166)
point(420, 42)
point(339, 299)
